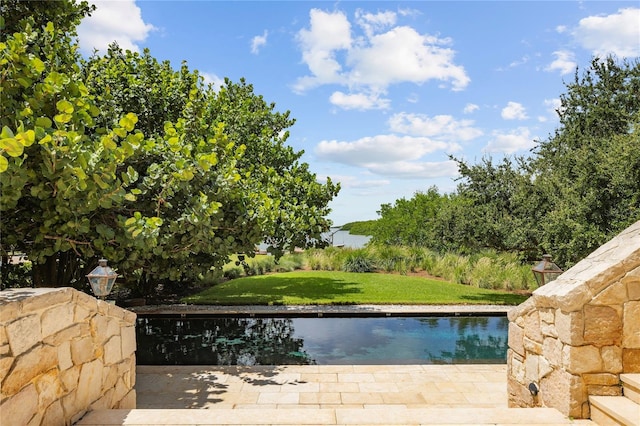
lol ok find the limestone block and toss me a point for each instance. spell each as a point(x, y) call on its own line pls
point(522, 309)
point(128, 402)
point(49, 388)
point(129, 317)
point(547, 315)
point(564, 392)
point(82, 314)
point(68, 334)
point(86, 301)
point(516, 338)
point(120, 391)
point(532, 327)
point(112, 351)
point(531, 368)
point(89, 383)
point(602, 390)
point(39, 359)
point(570, 327)
point(615, 294)
point(109, 376)
point(581, 359)
point(69, 378)
point(82, 350)
point(532, 346)
point(519, 395)
point(23, 334)
point(99, 326)
point(602, 325)
point(4, 339)
point(612, 359)
point(548, 329)
point(518, 371)
point(36, 420)
point(21, 407)
point(72, 407)
point(631, 360)
point(9, 312)
point(552, 351)
point(56, 319)
point(5, 365)
point(631, 330)
point(53, 415)
point(632, 281)
point(45, 298)
point(606, 379)
point(544, 367)
point(104, 402)
point(128, 335)
point(64, 356)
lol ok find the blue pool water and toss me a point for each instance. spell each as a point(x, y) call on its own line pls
point(321, 341)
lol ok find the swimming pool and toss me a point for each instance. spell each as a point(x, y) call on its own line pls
point(191, 340)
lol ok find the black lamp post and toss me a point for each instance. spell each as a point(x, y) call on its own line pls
point(102, 279)
point(546, 271)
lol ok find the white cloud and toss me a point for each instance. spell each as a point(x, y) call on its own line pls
point(258, 41)
point(508, 143)
point(328, 33)
point(210, 78)
point(119, 21)
point(469, 108)
point(378, 149)
point(372, 23)
point(618, 33)
point(349, 181)
point(441, 127)
point(514, 111)
point(553, 105)
point(561, 29)
point(565, 62)
point(359, 101)
point(413, 170)
point(381, 56)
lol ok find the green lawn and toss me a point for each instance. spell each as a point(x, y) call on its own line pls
point(330, 287)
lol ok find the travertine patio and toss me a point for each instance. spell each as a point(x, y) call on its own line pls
point(324, 395)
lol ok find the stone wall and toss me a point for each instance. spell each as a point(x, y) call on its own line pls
point(63, 353)
point(577, 334)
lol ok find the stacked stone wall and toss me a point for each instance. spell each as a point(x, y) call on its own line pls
point(576, 335)
point(63, 353)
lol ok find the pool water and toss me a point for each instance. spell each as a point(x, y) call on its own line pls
point(321, 341)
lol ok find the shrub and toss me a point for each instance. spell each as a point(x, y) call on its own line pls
point(358, 261)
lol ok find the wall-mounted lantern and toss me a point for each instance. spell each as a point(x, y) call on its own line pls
point(102, 279)
point(546, 271)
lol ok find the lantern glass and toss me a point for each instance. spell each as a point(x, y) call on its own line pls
point(546, 271)
point(102, 279)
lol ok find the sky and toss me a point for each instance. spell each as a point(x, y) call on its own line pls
point(385, 93)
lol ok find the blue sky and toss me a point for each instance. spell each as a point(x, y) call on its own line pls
point(383, 92)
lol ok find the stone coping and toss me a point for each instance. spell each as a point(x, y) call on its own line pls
point(322, 310)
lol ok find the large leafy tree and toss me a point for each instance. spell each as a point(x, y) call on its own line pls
point(134, 161)
point(57, 172)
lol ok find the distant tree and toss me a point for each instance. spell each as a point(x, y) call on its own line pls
point(590, 167)
point(577, 190)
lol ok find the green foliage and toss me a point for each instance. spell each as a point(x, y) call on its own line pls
point(578, 189)
point(358, 261)
point(123, 157)
point(360, 228)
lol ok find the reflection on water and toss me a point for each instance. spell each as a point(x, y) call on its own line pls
point(281, 341)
